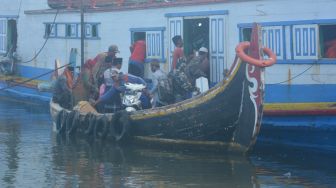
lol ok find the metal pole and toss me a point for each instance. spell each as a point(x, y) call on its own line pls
point(82, 32)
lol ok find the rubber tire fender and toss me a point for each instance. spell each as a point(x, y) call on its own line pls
point(90, 128)
point(74, 123)
point(100, 127)
point(120, 125)
point(69, 120)
point(61, 121)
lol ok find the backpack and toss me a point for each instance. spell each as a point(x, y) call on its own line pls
point(165, 90)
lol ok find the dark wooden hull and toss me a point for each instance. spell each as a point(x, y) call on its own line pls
point(227, 115)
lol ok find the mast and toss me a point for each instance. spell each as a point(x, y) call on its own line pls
point(82, 31)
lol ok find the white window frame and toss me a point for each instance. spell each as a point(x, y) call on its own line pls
point(73, 30)
point(53, 28)
point(154, 42)
point(273, 38)
point(3, 36)
point(175, 27)
point(305, 41)
point(89, 30)
point(154, 45)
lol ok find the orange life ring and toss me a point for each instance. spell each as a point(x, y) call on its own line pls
point(240, 50)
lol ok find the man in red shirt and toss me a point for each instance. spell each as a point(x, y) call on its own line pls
point(137, 59)
point(178, 51)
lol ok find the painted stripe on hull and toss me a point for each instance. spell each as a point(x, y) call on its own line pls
point(295, 109)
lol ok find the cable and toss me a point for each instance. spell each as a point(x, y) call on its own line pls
point(45, 42)
point(33, 78)
point(294, 76)
point(18, 14)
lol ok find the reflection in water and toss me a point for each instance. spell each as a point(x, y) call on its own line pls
point(133, 167)
point(32, 156)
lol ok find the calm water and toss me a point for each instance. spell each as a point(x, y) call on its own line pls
point(32, 156)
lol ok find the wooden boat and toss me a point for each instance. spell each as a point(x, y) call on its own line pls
point(227, 116)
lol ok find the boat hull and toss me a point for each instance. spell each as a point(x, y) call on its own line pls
point(227, 116)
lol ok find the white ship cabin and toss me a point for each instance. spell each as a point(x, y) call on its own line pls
point(298, 31)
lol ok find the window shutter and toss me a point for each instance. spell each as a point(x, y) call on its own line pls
point(154, 44)
point(272, 38)
point(305, 41)
point(175, 27)
point(217, 48)
point(3, 35)
point(88, 30)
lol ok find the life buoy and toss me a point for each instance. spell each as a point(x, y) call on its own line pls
point(100, 127)
point(61, 121)
point(120, 125)
point(240, 50)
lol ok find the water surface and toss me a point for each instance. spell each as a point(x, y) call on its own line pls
point(33, 156)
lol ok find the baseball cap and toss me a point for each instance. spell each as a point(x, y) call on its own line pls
point(113, 48)
point(115, 72)
point(203, 49)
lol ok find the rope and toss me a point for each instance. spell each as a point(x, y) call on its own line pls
point(296, 76)
point(33, 78)
point(45, 42)
point(19, 10)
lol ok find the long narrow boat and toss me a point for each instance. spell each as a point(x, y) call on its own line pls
point(228, 115)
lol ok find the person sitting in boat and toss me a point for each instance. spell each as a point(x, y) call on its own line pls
point(182, 86)
point(103, 62)
point(62, 93)
point(160, 92)
point(198, 66)
point(110, 102)
point(115, 63)
point(85, 89)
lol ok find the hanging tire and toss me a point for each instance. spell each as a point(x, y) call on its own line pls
point(120, 125)
point(69, 120)
point(73, 125)
point(85, 123)
point(101, 127)
point(90, 127)
point(61, 121)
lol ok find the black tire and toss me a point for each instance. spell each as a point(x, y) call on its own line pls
point(120, 126)
point(100, 127)
point(90, 128)
point(61, 121)
point(85, 123)
point(71, 129)
point(69, 120)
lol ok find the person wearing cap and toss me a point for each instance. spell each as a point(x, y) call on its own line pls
point(102, 62)
point(204, 63)
point(115, 65)
point(111, 98)
point(178, 51)
point(198, 66)
point(137, 59)
point(157, 77)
